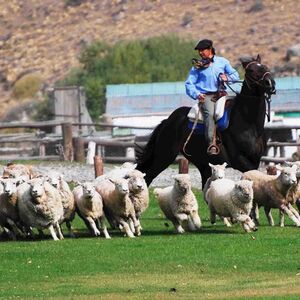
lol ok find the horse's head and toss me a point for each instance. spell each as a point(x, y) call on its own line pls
point(258, 77)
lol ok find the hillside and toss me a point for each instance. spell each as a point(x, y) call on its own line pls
point(46, 36)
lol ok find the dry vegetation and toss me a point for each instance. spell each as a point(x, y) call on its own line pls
point(46, 36)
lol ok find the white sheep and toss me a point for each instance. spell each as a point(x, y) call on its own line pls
point(119, 209)
point(89, 206)
point(9, 217)
point(179, 204)
point(217, 172)
point(67, 198)
point(39, 206)
point(270, 191)
point(231, 199)
point(138, 192)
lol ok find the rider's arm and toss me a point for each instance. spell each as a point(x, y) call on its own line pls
point(231, 73)
point(190, 84)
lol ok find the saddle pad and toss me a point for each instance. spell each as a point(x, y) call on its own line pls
point(222, 123)
point(219, 110)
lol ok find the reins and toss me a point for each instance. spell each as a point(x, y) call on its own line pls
point(192, 131)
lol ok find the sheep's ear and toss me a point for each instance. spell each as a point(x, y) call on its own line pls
point(225, 164)
point(258, 59)
point(211, 165)
point(144, 174)
point(134, 166)
point(111, 180)
point(294, 167)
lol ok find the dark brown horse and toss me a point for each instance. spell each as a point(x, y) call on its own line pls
point(242, 144)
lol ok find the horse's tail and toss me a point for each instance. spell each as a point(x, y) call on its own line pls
point(144, 154)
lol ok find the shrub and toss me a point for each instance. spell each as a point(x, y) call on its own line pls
point(27, 86)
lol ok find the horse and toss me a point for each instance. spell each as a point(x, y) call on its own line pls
point(241, 144)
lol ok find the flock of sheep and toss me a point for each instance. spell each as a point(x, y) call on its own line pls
point(45, 201)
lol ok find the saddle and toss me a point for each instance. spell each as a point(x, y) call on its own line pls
point(222, 115)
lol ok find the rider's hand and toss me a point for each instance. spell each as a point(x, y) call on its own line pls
point(223, 77)
point(201, 98)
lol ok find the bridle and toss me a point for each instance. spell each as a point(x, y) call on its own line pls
point(250, 80)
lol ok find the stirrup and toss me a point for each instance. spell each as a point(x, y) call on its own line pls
point(213, 149)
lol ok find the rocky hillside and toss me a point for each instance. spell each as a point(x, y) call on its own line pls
point(46, 36)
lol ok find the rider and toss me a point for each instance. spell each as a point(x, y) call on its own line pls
point(203, 84)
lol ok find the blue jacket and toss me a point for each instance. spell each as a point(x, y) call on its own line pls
point(202, 81)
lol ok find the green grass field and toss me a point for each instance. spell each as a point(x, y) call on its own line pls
point(214, 263)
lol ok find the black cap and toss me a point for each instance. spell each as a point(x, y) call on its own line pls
point(204, 44)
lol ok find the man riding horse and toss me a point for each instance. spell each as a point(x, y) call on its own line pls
point(203, 84)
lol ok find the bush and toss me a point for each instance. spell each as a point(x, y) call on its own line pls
point(158, 59)
point(27, 86)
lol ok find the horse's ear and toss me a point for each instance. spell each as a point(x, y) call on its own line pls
point(258, 59)
point(245, 60)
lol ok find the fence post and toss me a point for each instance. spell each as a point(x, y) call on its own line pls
point(67, 140)
point(183, 166)
point(79, 154)
point(91, 153)
point(98, 166)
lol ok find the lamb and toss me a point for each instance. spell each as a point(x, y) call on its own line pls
point(39, 206)
point(231, 199)
point(9, 217)
point(270, 192)
point(67, 198)
point(89, 207)
point(118, 207)
point(179, 204)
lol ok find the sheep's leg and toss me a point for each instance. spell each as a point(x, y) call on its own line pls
point(195, 220)
point(52, 232)
point(125, 227)
point(58, 230)
point(103, 227)
point(93, 226)
point(281, 218)
point(14, 227)
point(70, 229)
point(294, 211)
point(246, 222)
point(180, 219)
point(254, 214)
point(290, 214)
point(131, 225)
point(298, 204)
point(269, 215)
point(212, 217)
point(226, 221)
point(10, 233)
point(136, 224)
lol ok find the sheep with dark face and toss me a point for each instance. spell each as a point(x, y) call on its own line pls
point(231, 199)
point(179, 204)
point(89, 206)
point(39, 206)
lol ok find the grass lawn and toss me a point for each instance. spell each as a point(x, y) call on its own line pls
point(214, 263)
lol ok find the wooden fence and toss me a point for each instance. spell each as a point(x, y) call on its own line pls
point(35, 145)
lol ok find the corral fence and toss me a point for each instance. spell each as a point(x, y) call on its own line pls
point(34, 143)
